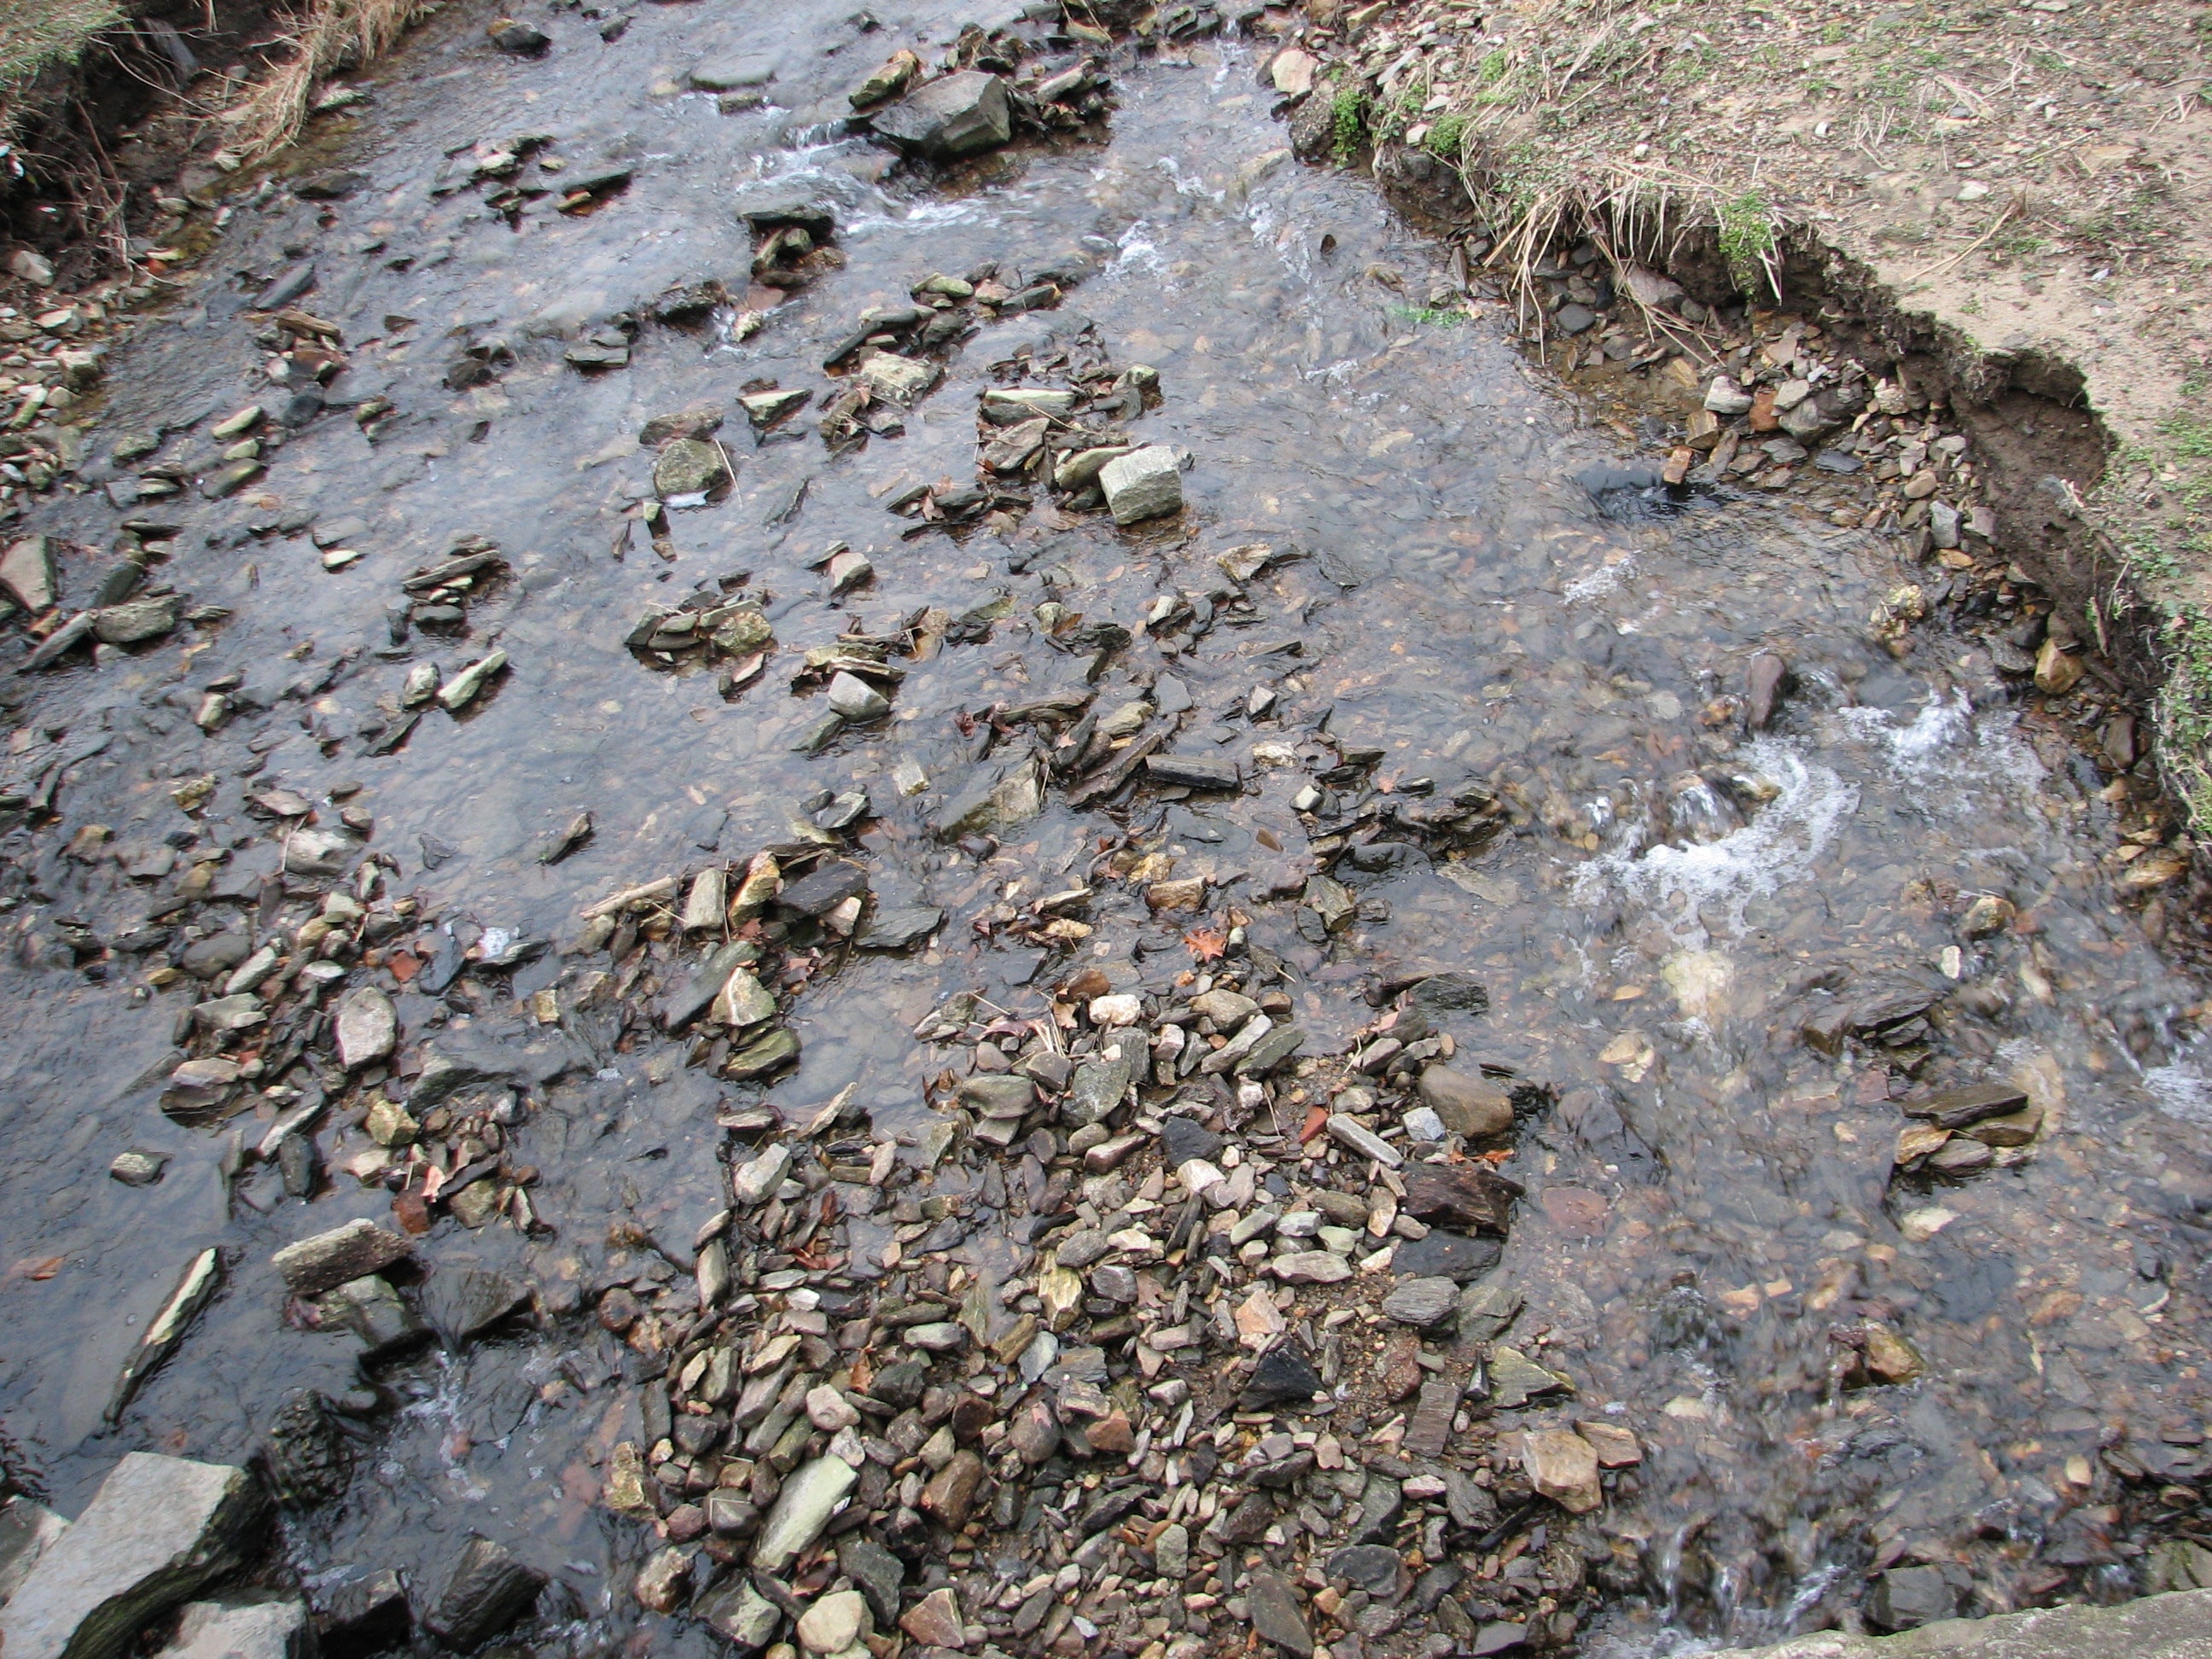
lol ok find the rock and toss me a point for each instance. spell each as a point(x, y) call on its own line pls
point(954, 116)
point(856, 700)
point(1033, 1431)
point(1616, 1447)
point(1182, 1138)
point(802, 1509)
point(828, 1410)
point(1423, 1302)
point(690, 466)
point(137, 1168)
point(33, 267)
point(157, 1530)
point(458, 692)
point(1283, 1377)
point(1486, 1310)
point(362, 1616)
point(487, 1591)
point(1371, 1567)
point(1461, 1195)
point(742, 1614)
point(1473, 1508)
point(138, 620)
point(875, 1570)
point(887, 79)
point(1905, 1598)
point(1381, 1502)
point(367, 1028)
point(790, 213)
point(934, 1621)
point(898, 927)
point(306, 1459)
point(1514, 1379)
point(1098, 1086)
point(257, 1630)
point(752, 1181)
point(732, 74)
point(317, 1264)
point(464, 1303)
point(2056, 671)
point(1349, 1132)
point(1572, 318)
point(662, 1581)
point(1725, 398)
point(895, 380)
point(823, 890)
point(1271, 1606)
point(523, 40)
point(27, 1530)
point(1430, 1429)
point(951, 1493)
point(834, 1623)
point(1194, 771)
point(1311, 1267)
point(1889, 1357)
point(1562, 1465)
point(1470, 1105)
point(1145, 484)
point(27, 574)
point(1957, 1108)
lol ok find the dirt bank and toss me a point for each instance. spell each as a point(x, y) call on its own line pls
point(2003, 210)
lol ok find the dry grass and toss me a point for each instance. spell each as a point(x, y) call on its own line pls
point(335, 36)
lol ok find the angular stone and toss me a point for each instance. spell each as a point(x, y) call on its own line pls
point(1182, 1138)
point(1486, 1310)
point(1430, 1430)
point(934, 1621)
point(138, 620)
point(256, 1630)
point(742, 1614)
point(823, 890)
point(1470, 1105)
point(751, 1182)
point(317, 1264)
point(1273, 1607)
point(802, 1509)
point(856, 700)
point(1371, 1567)
point(1381, 1504)
point(367, 1027)
point(877, 1571)
point(1144, 484)
point(27, 574)
point(663, 1580)
point(1957, 1108)
point(1098, 1086)
point(1283, 1377)
point(953, 116)
point(732, 74)
point(895, 380)
point(1194, 771)
point(743, 1001)
point(1514, 1379)
point(951, 1493)
point(157, 1530)
point(1462, 1195)
point(487, 1591)
point(834, 1623)
point(27, 1530)
point(1905, 1598)
point(1562, 1465)
point(1423, 1302)
point(1616, 1447)
point(362, 1616)
point(1348, 1132)
point(690, 466)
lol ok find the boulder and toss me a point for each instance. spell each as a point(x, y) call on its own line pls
point(954, 116)
point(157, 1530)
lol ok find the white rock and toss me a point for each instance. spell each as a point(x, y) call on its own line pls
point(1311, 1268)
point(259, 1630)
point(834, 1623)
point(828, 1410)
point(751, 1182)
point(1120, 1008)
point(856, 700)
point(1145, 484)
point(367, 1028)
point(1725, 397)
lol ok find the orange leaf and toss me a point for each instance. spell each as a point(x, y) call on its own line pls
point(1206, 944)
point(32, 1268)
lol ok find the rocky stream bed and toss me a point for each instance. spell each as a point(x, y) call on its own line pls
point(969, 879)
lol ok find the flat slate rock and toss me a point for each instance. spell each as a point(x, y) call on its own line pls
point(823, 890)
point(899, 928)
point(1284, 1376)
point(1272, 1606)
point(1446, 1255)
point(157, 1530)
point(488, 1590)
point(1182, 1138)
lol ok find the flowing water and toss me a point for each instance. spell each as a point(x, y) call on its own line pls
point(1462, 585)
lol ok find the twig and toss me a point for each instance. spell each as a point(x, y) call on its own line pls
point(2018, 201)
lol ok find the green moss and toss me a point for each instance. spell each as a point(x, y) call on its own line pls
point(1746, 241)
point(1446, 135)
point(1348, 112)
point(1429, 316)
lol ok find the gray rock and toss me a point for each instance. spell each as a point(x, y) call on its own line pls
point(1098, 1086)
point(1283, 1377)
point(824, 890)
point(1446, 1254)
point(1273, 1607)
point(1430, 1430)
point(1380, 1506)
point(138, 619)
point(1571, 319)
point(1470, 1105)
point(1182, 1138)
point(367, 1027)
point(27, 1530)
point(317, 1264)
point(157, 1530)
point(1422, 1301)
point(464, 1303)
point(854, 699)
point(363, 1616)
point(690, 466)
point(1144, 484)
point(257, 1630)
point(990, 799)
point(1002, 1095)
point(802, 1509)
point(954, 116)
point(732, 74)
point(898, 927)
point(488, 1590)
point(27, 574)
point(742, 1614)
point(1905, 1598)
point(1371, 1567)
point(1486, 1309)
point(752, 1182)
point(1194, 771)
point(875, 1572)
point(1473, 1508)
point(1364, 1141)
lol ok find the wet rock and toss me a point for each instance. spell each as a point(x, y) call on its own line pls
point(374, 1312)
point(487, 1591)
point(367, 1027)
point(732, 74)
point(308, 1458)
point(802, 1509)
point(752, 1181)
point(1514, 1379)
point(1905, 1598)
point(138, 620)
point(1562, 1465)
point(1283, 1377)
point(1276, 1616)
point(286, 286)
point(790, 213)
point(1471, 1105)
point(899, 928)
point(934, 1621)
point(1381, 1502)
point(458, 692)
point(946, 118)
point(523, 40)
point(1423, 1302)
point(1960, 1107)
point(257, 1630)
point(1461, 1195)
point(887, 79)
point(1768, 675)
point(27, 574)
point(463, 1303)
point(663, 1580)
point(1616, 1447)
point(317, 1264)
point(825, 889)
point(690, 466)
point(1098, 1086)
point(362, 1616)
point(1371, 1567)
point(856, 700)
point(903, 381)
point(877, 1572)
point(157, 1530)
point(1194, 771)
point(137, 1168)
point(1145, 484)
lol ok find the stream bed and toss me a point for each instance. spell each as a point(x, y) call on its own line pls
point(1457, 755)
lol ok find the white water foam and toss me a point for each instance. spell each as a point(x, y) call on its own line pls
point(2181, 1091)
point(1599, 582)
point(1950, 742)
point(1138, 254)
point(1782, 844)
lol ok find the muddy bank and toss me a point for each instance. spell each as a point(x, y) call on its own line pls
point(985, 892)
